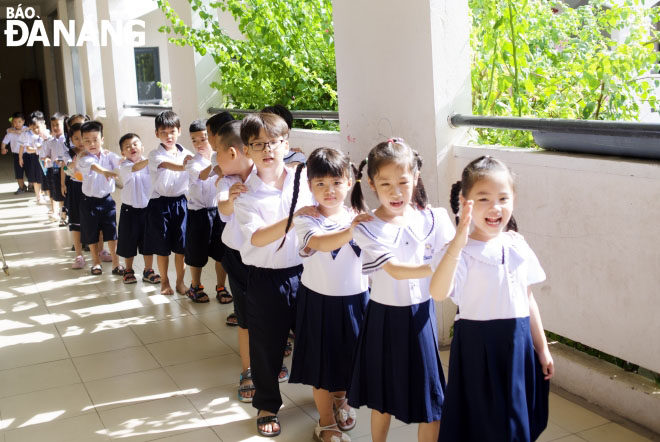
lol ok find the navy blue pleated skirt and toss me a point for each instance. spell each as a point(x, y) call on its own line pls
point(327, 329)
point(396, 367)
point(496, 391)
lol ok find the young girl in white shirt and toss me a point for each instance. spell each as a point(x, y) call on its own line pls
point(498, 387)
point(333, 294)
point(397, 368)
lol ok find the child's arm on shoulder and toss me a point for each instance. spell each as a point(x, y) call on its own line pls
point(205, 173)
point(109, 174)
point(226, 207)
point(169, 165)
point(270, 233)
point(140, 165)
point(442, 280)
point(539, 339)
point(327, 242)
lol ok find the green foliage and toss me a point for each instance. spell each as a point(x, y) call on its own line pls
point(287, 55)
point(541, 59)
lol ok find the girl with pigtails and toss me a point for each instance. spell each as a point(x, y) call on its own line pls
point(397, 370)
point(332, 295)
point(500, 365)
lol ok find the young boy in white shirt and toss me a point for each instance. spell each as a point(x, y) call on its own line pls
point(167, 209)
point(28, 154)
point(135, 195)
point(11, 139)
point(204, 227)
point(97, 208)
point(52, 154)
point(274, 273)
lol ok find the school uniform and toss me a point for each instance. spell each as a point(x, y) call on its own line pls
point(168, 208)
point(331, 302)
point(97, 208)
point(132, 217)
point(13, 140)
point(53, 149)
point(397, 367)
point(273, 280)
point(73, 183)
point(232, 262)
point(204, 227)
point(33, 170)
point(508, 401)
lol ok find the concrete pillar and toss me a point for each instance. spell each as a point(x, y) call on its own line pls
point(402, 69)
point(183, 77)
point(68, 85)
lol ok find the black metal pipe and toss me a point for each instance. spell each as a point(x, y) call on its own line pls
point(590, 127)
point(297, 114)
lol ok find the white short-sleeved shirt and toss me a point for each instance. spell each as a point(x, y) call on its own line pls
point(137, 185)
point(336, 273)
point(13, 140)
point(426, 233)
point(96, 184)
point(52, 148)
point(492, 277)
point(32, 142)
point(232, 236)
point(263, 205)
point(201, 194)
point(165, 182)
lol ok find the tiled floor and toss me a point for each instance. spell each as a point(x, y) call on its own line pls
point(86, 358)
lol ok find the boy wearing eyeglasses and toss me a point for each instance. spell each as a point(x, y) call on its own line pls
point(273, 275)
point(167, 210)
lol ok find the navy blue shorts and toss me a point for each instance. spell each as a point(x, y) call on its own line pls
point(19, 171)
point(33, 170)
point(55, 184)
point(73, 196)
point(204, 237)
point(237, 274)
point(131, 231)
point(46, 185)
point(97, 215)
point(166, 225)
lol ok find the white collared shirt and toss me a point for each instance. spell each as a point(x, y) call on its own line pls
point(95, 184)
point(166, 182)
point(201, 194)
point(492, 277)
point(13, 140)
point(336, 273)
point(52, 149)
point(264, 205)
point(30, 141)
point(137, 185)
point(232, 236)
point(426, 233)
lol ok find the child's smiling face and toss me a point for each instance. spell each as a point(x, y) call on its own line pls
point(493, 205)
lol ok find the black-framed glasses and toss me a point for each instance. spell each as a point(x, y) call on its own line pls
point(273, 145)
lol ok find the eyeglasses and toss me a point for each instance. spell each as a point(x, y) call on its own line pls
point(273, 145)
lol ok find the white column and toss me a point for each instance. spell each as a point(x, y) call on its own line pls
point(183, 77)
point(402, 69)
point(68, 86)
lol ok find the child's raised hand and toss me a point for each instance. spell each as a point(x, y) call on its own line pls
point(463, 229)
point(235, 191)
point(307, 211)
point(361, 218)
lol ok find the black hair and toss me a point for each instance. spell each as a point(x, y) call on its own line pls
point(75, 128)
point(18, 115)
point(394, 150)
point(67, 125)
point(167, 119)
point(323, 162)
point(197, 126)
point(272, 124)
point(282, 111)
point(217, 121)
point(35, 118)
point(91, 126)
point(473, 172)
point(128, 136)
point(57, 116)
point(230, 135)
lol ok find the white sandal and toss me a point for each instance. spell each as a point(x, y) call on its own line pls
point(334, 438)
point(341, 415)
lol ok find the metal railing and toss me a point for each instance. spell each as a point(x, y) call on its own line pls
point(297, 114)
